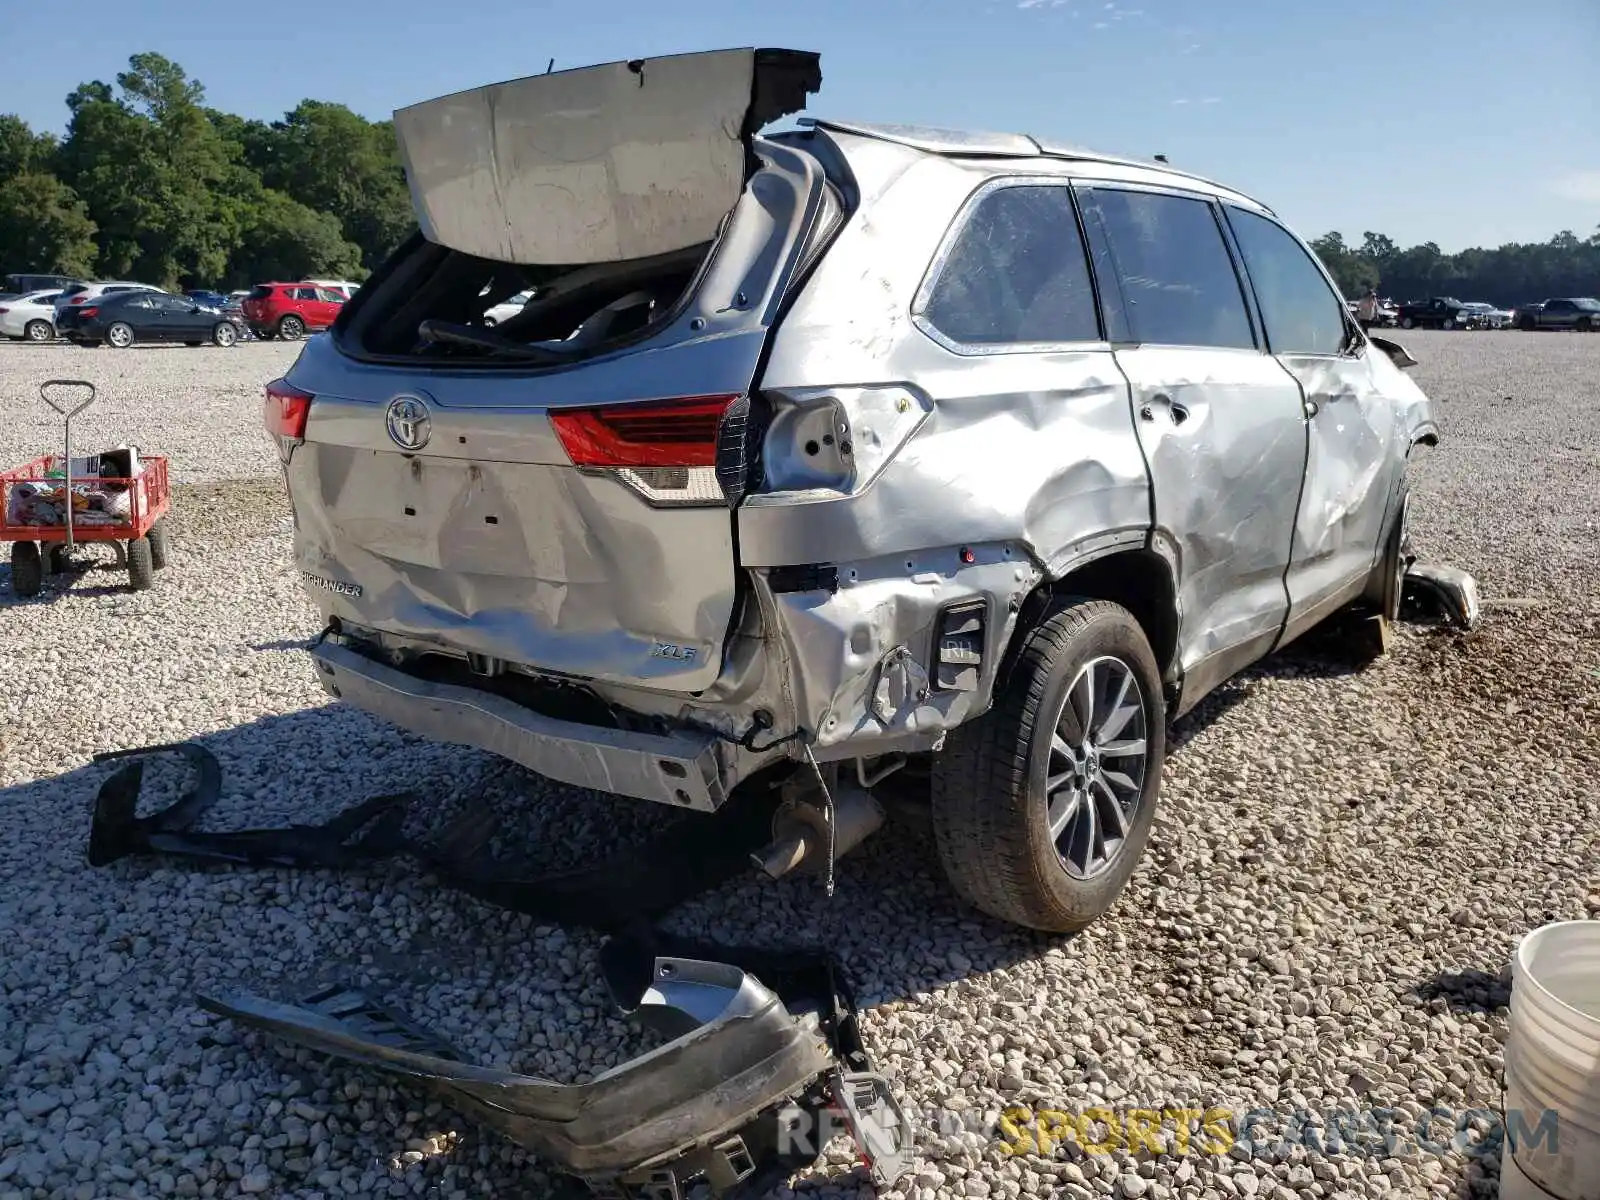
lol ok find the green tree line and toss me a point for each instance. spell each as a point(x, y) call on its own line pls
point(149, 183)
point(1516, 273)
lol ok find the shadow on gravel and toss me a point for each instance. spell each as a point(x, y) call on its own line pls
point(70, 582)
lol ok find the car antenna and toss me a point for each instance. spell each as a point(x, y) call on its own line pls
point(1161, 158)
point(550, 67)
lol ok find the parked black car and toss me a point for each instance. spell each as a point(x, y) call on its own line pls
point(1440, 312)
point(122, 318)
point(1581, 313)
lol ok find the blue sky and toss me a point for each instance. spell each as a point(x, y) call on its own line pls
point(1464, 123)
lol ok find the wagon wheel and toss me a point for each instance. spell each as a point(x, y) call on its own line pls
point(55, 559)
point(27, 571)
point(141, 571)
point(158, 544)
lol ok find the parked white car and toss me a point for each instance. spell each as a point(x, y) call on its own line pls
point(506, 309)
point(83, 293)
point(30, 317)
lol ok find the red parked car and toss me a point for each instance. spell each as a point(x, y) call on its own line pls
point(290, 310)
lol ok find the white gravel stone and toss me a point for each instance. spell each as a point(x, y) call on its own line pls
point(1340, 867)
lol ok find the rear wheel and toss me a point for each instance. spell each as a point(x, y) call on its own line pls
point(141, 568)
point(1585, 324)
point(1526, 324)
point(120, 334)
point(1448, 324)
point(291, 328)
point(27, 569)
point(1406, 322)
point(55, 559)
point(158, 544)
point(1042, 807)
point(39, 331)
point(224, 334)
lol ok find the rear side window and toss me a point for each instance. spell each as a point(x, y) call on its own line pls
point(260, 292)
point(1178, 284)
point(1017, 273)
point(75, 290)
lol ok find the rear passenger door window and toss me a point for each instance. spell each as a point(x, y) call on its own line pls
point(1168, 258)
point(1301, 312)
point(1015, 275)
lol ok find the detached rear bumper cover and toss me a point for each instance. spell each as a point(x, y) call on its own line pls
point(682, 769)
point(717, 1103)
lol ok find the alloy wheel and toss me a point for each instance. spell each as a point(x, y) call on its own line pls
point(1095, 772)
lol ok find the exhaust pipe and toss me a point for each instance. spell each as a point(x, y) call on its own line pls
point(800, 831)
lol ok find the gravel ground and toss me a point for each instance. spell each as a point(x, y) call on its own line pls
point(1341, 868)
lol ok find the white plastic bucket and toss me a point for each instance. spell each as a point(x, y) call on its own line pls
point(1552, 1100)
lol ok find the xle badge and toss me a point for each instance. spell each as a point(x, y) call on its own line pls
point(673, 651)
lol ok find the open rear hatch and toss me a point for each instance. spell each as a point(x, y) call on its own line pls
point(554, 493)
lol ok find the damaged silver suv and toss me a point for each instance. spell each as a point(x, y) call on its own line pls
point(822, 454)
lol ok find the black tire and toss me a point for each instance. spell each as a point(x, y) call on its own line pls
point(1406, 322)
point(55, 558)
point(141, 570)
point(27, 570)
point(119, 335)
point(225, 334)
point(266, 335)
point(39, 331)
point(291, 328)
point(1585, 324)
point(989, 802)
point(1396, 559)
point(1526, 324)
point(1447, 324)
point(158, 544)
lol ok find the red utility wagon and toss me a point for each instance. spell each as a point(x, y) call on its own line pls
point(120, 497)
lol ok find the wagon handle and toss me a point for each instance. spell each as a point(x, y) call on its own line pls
point(67, 413)
point(60, 405)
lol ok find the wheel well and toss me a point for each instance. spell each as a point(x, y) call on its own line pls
point(1139, 580)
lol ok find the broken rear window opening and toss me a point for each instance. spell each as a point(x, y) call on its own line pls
point(431, 304)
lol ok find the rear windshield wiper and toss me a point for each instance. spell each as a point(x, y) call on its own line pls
point(449, 332)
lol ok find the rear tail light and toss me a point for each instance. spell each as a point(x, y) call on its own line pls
point(284, 413)
point(77, 300)
point(4, 311)
point(89, 312)
point(666, 450)
point(665, 433)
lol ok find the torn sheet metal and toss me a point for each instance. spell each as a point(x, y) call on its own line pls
point(627, 160)
point(732, 1103)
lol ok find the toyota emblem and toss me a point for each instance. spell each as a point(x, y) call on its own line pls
point(409, 423)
